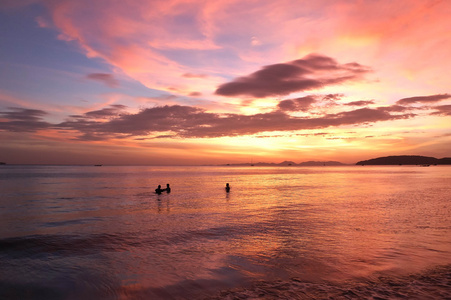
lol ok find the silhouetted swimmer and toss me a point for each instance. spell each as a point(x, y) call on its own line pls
point(227, 188)
point(158, 190)
point(168, 189)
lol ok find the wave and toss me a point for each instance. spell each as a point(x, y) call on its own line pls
point(430, 284)
point(63, 245)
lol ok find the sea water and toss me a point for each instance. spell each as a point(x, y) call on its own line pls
point(86, 232)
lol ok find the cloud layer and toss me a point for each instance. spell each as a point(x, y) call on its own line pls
point(191, 122)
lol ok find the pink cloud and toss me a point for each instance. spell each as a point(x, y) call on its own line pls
point(135, 35)
point(158, 42)
point(191, 75)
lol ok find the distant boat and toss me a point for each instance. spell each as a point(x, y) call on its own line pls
point(97, 165)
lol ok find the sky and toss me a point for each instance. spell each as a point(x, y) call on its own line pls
point(190, 82)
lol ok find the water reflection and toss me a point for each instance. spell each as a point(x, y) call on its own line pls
point(163, 205)
point(119, 237)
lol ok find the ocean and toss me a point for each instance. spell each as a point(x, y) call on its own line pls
point(348, 232)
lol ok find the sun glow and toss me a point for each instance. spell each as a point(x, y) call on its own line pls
point(208, 82)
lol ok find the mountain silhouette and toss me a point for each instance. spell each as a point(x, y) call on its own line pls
point(406, 160)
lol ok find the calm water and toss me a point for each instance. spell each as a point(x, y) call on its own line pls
point(82, 232)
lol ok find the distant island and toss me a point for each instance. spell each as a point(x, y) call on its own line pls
point(406, 160)
point(386, 160)
point(290, 163)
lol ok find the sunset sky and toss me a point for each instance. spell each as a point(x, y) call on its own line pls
point(213, 82)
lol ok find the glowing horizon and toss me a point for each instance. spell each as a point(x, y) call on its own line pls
point(198, 82)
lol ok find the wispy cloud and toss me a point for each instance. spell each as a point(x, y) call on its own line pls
point(191, 75)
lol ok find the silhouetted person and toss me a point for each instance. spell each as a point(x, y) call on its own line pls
point(227, 188)
point(158, 190)
point(168, 189)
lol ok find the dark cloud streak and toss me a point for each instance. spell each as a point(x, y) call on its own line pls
point(108, 112)
point(423, 99)
point(311, 72)
point(442, 110)
point(298, 104)
point(23, 120)
point(105, 78)
point(359, 103)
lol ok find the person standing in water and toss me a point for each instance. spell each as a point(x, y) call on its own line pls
point(168, 189)
point(227, 188)
point(158, 190)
